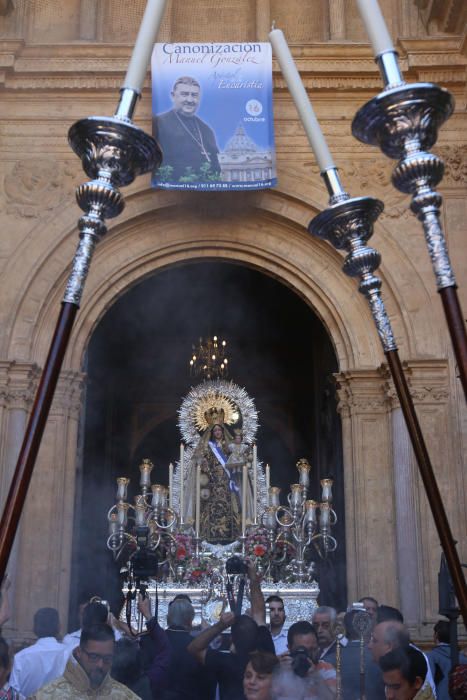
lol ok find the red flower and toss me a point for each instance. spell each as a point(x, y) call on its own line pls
point(259, 550)
point(181, 552)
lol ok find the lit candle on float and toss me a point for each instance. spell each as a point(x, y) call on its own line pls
point(198, 499)
point(122, 486)
point(375, 26)
point(302, 102)
point(326, 495)
point(324, 515)
point(113, 524)
point(244, 484)
point(145, 468)
point(181, 475)
point(171, 483)
point(144, 45)
point(255, 484)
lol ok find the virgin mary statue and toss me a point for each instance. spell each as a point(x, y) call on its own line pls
point(221, 481)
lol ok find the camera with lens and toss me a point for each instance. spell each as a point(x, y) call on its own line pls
point(144, 563)
point(300, 661)
point(236, 565)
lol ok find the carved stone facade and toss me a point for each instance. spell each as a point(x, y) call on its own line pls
point(60, 62)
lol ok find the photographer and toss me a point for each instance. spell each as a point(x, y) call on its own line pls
point(248, 634)
point(301, 675)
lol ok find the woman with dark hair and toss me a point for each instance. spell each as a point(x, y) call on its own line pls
point(257, 680)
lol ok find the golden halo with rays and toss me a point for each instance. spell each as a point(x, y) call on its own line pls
point(219, 401)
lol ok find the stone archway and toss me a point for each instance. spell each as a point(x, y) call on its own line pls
point(265, 232)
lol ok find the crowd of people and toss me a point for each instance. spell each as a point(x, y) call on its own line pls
point(240, 657)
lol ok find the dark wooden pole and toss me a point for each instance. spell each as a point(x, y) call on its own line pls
point(34, 431)
point(429, 480)
point(456, 326)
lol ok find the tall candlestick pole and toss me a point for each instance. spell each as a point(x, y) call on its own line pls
point(375, 26)
point(338, 224)
point(198, 500)
point(144, 44)
point(182, 476)
point(403, 121)
point(268, 478)
point(171, 484)
point(255, 484)
point(302, 103)
point(244, 484)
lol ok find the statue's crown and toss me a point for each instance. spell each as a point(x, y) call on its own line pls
point(214, 416)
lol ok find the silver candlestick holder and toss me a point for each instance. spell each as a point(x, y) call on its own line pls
point(403, 120)
point(113, 153)
point(348, 224)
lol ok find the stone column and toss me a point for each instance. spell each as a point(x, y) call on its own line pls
point(44, 556)
point(369, 500)
point(263, 19)
point(18, 382)
point(88, 20)
point(407, 512)
point(429, 386)
point(336, 19)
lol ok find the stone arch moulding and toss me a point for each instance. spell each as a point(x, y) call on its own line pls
point(266, 232)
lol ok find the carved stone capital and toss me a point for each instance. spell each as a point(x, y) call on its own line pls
point(69, 394)
point(360, 391)
point(18, 381)
point(428, 382)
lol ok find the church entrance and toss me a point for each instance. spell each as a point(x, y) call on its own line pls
point(138, 371)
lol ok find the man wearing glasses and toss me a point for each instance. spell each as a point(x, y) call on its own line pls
point(87, 671)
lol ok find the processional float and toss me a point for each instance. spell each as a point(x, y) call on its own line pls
point(403, 120)
point(159, 538)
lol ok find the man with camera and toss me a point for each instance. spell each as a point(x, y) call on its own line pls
point(248, 633)
point(302, 675)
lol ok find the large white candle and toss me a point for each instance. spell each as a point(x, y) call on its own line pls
point(302, 103)
point(375, 26)
point(244, 483)
point(255, 484)
point(198, 499)
point(171, 484)
point(181, 475)
point(268, 478)
point(144, 44)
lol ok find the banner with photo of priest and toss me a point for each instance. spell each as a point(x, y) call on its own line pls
point(212, 116)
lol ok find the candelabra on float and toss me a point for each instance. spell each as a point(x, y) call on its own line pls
point(298, 525)
point(403, 120)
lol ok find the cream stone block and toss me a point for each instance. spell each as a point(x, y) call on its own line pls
point(369, 487)
point(44, 557)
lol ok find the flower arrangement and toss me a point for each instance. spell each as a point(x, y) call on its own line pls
point(181, 549)
point(199, 571)
point(257, 544)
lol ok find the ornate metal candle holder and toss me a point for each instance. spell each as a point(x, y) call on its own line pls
point(113, 152)
point(403, 121)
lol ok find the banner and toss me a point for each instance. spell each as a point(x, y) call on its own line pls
point(212, 116)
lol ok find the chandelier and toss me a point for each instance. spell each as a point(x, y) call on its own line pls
point(209, 360)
